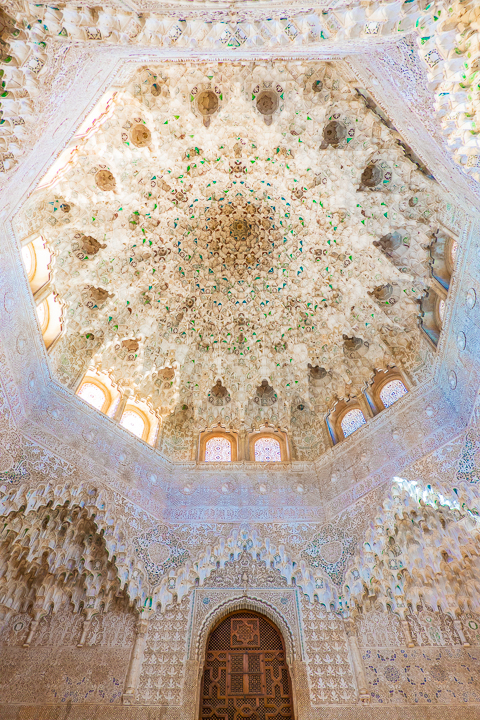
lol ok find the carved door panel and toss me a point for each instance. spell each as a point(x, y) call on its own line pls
point(246, 674)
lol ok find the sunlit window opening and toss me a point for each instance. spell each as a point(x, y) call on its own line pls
point(133, 422)
point(218, 449)
point(441, 310)
point(352, 421)
point(453, 251)
point(392, 391)
point(27, 259)
point(93, 395)
point(267, 450)
point(42, 315)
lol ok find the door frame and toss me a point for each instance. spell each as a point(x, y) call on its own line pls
point(218, 621)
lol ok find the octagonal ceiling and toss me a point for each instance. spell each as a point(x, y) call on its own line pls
point(79, 53)
point(219, 225)
point(196, 200)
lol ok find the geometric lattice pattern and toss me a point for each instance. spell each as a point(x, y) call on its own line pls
point(392, 391)
point(352, 421)
point(267, 450)
point(133, 422)
point(218, 449)
point(252, 682)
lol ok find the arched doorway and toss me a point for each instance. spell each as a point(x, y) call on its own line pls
point(245, 673)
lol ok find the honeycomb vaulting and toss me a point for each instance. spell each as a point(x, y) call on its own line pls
point(227, 225)
point(239, 360)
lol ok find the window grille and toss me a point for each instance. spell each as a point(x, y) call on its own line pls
point(392, 391)
point(352, 421)
point(218, 449)
point(133, 422)
point(267, 450)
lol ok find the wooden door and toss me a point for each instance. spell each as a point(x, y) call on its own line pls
point(246, 674)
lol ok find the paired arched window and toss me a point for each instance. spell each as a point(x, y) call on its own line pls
point(98, 390)
point(223, 447)
point(443, 255)
point(37, 259)
point(348, 415)
point(392, 391)
point(218, 449)
point(351, 421)
point(267, 450)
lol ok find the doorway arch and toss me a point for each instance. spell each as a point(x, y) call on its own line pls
point(245, 674)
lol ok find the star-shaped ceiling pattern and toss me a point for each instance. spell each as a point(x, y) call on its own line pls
point(238, 224)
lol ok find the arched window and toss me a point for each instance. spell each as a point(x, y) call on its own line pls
point(28, 255)
point(453, 251)
point(134, 422)
point(93, 395)
point(42, 314)
point(37, 259)
point(218, 449)
point(441, 310)
point(352, 420)
point(392, 391)
point(50, 318)
point(267, 450)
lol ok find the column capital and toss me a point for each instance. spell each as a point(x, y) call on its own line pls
point(88, 613)
point(141, 626)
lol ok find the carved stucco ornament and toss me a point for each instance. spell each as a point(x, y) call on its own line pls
point(330, 549)
point(160, 551)
point(105, 180)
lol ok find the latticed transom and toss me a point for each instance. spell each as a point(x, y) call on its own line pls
point(246, 674)
point(245, 632)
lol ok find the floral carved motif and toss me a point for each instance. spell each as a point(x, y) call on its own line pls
point(160, 551)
